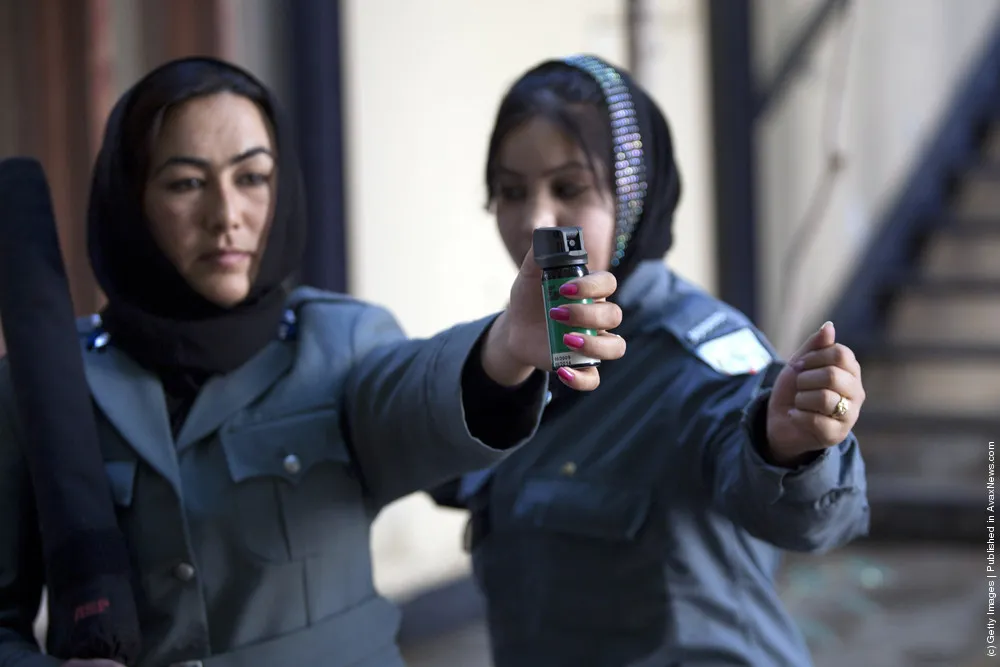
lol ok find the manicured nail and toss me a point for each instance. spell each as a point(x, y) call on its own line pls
point(559, 314)
point(566, 374)
point(573, 341)
point(569, 289)
point(826, 324)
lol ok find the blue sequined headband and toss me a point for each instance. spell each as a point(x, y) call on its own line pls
point(630, 168)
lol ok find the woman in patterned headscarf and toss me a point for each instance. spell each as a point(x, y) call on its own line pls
point(644, 525)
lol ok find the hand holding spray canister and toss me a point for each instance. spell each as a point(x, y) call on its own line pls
point(559, 252)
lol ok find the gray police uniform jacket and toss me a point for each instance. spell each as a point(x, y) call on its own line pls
point(642, 528)
point(250, 532)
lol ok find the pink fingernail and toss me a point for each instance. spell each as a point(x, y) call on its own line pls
point(569, 289)
point(559, 314)
point(565, 374)
point(574, 341)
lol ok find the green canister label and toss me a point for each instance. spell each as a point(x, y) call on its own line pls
point(561, 354)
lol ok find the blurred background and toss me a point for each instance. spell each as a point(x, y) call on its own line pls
point(840, 159)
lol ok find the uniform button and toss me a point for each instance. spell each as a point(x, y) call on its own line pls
point(568, 469)
point(184, 571)
point(292, 464)
point(101, 340)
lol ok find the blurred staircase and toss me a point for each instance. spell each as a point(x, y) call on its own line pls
point(932, 373)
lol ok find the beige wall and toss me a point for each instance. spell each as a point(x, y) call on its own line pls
point(906, 56)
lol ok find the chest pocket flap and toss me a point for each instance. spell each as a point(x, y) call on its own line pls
point(296, 491)
point(287, 447)
point(583, 508)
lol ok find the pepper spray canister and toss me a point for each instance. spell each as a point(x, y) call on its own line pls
point(559, 252)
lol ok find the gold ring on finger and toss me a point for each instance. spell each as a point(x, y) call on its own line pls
point(841, 409)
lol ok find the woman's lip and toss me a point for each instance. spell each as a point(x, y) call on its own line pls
point(227, 258)
point(222, 253)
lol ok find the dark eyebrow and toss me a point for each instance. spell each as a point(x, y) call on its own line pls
point(204, 164)
point(568, 166)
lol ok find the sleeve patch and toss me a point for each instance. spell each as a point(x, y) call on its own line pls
point(736, 353)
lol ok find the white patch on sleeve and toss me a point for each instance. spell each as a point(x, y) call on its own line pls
point(736, 353)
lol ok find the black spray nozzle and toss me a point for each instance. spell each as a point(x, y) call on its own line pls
point(558, 246)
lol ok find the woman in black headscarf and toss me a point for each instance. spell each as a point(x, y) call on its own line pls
point(249, 430)
point(652, 510)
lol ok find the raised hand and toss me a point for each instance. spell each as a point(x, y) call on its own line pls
point(816, 399)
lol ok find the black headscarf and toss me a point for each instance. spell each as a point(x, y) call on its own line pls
point(152, 313)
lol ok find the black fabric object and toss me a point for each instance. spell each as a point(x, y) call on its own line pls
point(152, 313)
point(91, 604)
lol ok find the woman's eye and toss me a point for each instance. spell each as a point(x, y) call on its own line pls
point(511, 193)
point(569, 190)
point(185, 184)
point(252, 179)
